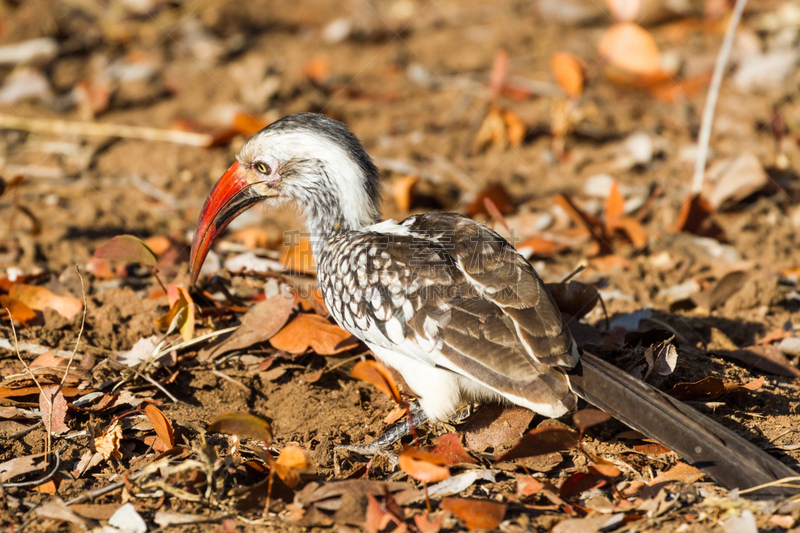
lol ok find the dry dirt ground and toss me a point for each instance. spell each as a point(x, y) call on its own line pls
point(412, 80)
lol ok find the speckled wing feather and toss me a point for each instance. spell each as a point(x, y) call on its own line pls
point(452, 293)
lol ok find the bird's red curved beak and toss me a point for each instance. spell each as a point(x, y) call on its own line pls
point(231, 196)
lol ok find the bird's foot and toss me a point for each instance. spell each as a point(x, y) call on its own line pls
point(460, 416)
point(382, 444)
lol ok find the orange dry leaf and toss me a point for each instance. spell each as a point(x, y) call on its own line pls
point(297, 257)
point(158, 244)
point(449, 448)
point(315, 332)
point(252, 237)
point(247, 124)
point(317, 69)
point(403, 192)
point(497, 194)
point(378, 375)
point(497, 78)
point(39, 299)
point(293, 457)
point(632, 49)
point(712, 387)
point(161, 424)
point(290, 462)
point(476, 514)
point(515, 128)
point(671, 91)
point(49, 487)
point(313, 301)
point(568, 70)
point(615, 219)
point(500, 128)
point(181, 309)
point(541, 247)
point(696, 217)
point(19, 311)
point(422, 466)
point(652, 448)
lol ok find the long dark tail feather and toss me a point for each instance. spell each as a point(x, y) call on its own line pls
point(724, 456)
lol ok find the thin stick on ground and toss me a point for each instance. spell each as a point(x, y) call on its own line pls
point(77, 341)
point(33, 377)
point(98, 129)
point(704, 138)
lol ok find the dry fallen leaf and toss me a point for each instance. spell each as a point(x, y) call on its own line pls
point(297, 256)
point(541, 441)
point(375, 373)
point(448, 447)
point(315, 332)
point(569, 72)
point(541, 246)
point(181, 301)
point(497, 194)
point(252, 237)
point(161, 424)
point(317, 69)
point(736, 180)
point(632, 49)
point(53, 409)
point(403, 192)
point(293, 457)
point(574, 298)
point(22, 465)
point(476, 514)
point(580, 482)
point(259, 323)
point(711, 387)
point(242, 424)
point(696, 217)
point(500, 129)
point(127, 248)
point(586, 418)
point(422, 466)
point(38, 298)
point(19, 311)
point(107, 444)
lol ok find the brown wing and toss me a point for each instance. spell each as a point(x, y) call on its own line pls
point(456, 295)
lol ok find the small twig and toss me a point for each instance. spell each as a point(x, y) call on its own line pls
point(75, 350)
point(154, 383)
point(22, 432)
point(210, 520)
point(28, 347)
point(704, 138)
point(578, 270)
point(44, 479)
point(36, 381)
point(154, 270)
point(238, 384)
point(97, 129)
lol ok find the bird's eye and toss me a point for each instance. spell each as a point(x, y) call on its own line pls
point(264, 169)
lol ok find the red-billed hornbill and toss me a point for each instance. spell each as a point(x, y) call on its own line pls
point(449, 303)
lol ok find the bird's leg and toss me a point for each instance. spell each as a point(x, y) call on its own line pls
point(382, 443)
